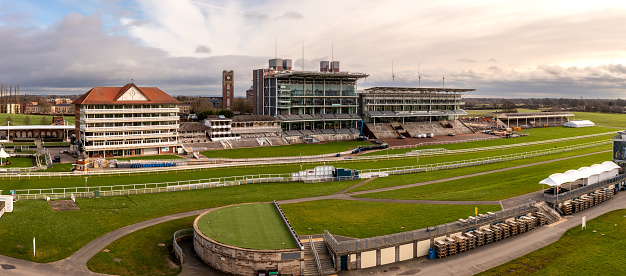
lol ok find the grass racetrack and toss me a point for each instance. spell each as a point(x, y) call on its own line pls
point(253, 226)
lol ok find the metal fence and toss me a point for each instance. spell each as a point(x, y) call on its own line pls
point(480, 161)
point(177, 250)
point(582, 190)
point(244, 163)
point(291, 231)
point(425, 233)
point(144, 188)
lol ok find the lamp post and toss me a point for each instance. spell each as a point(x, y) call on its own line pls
point(86, 188)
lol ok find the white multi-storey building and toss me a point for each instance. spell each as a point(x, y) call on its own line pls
point(126, 121)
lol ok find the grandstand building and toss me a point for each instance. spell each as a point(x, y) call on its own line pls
point(126, 121)
point(305, 100)
point(392, 111)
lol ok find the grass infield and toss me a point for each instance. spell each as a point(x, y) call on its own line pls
point(253, 226)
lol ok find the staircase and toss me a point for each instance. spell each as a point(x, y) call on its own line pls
point(326, 261)
point(317, 259)
point(551, 215)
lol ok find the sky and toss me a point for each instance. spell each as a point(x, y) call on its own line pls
point(502, 48)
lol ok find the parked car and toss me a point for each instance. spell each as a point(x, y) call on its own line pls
point(56, 159)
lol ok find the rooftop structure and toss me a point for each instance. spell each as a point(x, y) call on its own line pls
point(411, 103)
point(126, 121)
point(535, 119)
point(278, 91)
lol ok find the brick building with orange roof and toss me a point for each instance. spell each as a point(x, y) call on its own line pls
point(126, 121)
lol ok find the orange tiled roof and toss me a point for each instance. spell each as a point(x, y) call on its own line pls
point(109, 95)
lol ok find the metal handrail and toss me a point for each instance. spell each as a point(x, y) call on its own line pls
point(317, 258)
point(177, 249)
point(291, 231)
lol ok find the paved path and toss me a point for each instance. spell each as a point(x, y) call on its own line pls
point(495, 254)
point(76, 264)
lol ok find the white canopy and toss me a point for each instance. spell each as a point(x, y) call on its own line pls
point(3, 154)
point(610, 165)
point(579, 123)
point(556, 180)
point(574, 175)
point(587, 172)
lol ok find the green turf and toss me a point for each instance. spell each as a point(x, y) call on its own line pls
point(139, 252)
point(493, 186)
point(535, 134)
point(396, 180)
point(34, 119)
point(12, 145)
point(56, 144)
point(18, 162)
point(253, 226)
point(149, 157)
point(614, 120)
point(577, 252)
point(361, 219)
point(59, 234)
point(288, 150)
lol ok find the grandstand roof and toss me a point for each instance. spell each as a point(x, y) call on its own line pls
point(386, 89)
point(309, 74)
point(393, 114)
point(534, 115)
point(254, 118)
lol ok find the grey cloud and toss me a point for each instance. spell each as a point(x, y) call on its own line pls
point(293, 15)
point(203, 49)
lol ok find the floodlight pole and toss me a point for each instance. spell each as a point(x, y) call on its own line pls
point(86, 188)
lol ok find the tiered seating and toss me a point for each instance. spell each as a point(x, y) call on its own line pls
point(381, 131)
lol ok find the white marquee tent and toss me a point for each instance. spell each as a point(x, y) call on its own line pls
point(3, 155)
point(579, 123)
point(588, 175)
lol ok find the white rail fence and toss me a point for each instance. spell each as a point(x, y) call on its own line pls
point(144, 188)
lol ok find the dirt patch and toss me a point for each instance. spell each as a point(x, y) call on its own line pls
point(63, 205)
point(414, 141)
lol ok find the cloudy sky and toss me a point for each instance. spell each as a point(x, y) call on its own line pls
point(502, 48)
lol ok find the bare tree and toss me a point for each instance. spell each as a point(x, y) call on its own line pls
point(242, 105)
point(46, 106)
point(200, 104)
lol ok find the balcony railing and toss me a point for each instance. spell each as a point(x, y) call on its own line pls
point(129, 119)
point(129, 136)
point(122, 128)
point(137, 145)
point(128, 110)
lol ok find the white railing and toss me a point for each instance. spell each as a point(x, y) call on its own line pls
point(129, 119)
point(143, 188)
point(128, 110)
point(122, 128)
point(108, 147)
point(129, 136)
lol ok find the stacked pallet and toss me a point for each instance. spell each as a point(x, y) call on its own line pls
point(452, 247)
point(506, 230)
point(585, 200)
point(488, 235)
point(471, 240)
point(514, 226)
point(566, 208)
point(543, 220)
point(480, 237)
point(497, 232)
point(578, 205)
point(441, 248)
point(531, 222)
point(461, 242)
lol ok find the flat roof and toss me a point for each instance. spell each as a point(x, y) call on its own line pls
point(308, 74)
point(534, 115)
point(62, 127)
point(386, 89)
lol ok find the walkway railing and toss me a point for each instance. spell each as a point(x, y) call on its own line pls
point(583, 190)
point(143, 188)
point(177, 236)
point(291, 231)
point(426, 233)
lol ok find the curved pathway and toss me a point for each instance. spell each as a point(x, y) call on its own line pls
point(76, 264)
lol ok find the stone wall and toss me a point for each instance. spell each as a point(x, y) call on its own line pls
point(242, 261)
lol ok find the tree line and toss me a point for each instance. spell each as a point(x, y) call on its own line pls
point(556, 104)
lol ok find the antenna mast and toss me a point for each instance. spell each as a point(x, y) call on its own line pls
point(393, 77)
point(444, 82)
point(419, 77)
